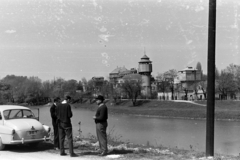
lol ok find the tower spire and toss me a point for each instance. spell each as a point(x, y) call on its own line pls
point(144, 51)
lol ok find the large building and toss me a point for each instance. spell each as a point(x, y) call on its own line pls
point(143, 73)
point(187, 81)
point(188, 77)
point(186, 86)
point(117, 74)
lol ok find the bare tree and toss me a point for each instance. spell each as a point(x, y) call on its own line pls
point(169, 76)
point(226, 83)
point(162, 83)
point(235, 70)
point(133, 89)
point(203, 86)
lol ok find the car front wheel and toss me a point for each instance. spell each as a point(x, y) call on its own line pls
point(2, 146)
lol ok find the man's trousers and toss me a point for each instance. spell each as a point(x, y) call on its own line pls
point(101, 129)
point(63, 132)
point(56, 136)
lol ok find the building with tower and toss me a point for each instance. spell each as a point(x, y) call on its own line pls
point(145, 70)
point(187, 83)
point(118, 75)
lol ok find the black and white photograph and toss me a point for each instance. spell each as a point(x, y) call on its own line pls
point(120, 79)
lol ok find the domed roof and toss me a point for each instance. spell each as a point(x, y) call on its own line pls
point(123, 69)
point(125, 72)
point(119, 70)
point(115, 71)
point(132, 77)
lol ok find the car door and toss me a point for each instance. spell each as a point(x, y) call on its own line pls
point(36, 112)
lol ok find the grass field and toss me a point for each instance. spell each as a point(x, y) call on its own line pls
point(224, 110)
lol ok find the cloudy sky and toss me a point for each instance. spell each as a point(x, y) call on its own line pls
point(73, 39)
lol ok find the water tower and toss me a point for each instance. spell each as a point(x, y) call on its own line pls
point(145, 69)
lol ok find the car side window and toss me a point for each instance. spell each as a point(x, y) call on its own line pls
point(6, 114)
point(15, 114)
point(18, 113)
point(27, 114)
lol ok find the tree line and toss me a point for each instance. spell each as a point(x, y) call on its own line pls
point(34, 91)
point(227, 82)
point(31, 90)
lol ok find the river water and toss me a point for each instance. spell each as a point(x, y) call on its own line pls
point(180, 133)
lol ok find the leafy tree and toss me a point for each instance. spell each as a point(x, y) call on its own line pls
point(33, 92)
point(16, 86)
point(88, 89)
point(58, 88)
point(70, 87)
point(5, 93)
point(47, 88)
point(199, 66)
point(4, 87)
point(80, 86)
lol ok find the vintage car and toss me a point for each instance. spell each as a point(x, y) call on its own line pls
point(18, 125)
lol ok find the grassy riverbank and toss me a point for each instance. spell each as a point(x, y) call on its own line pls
point(224, 110)
point(88, 146)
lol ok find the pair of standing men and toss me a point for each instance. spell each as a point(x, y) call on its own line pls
point(61, 116)
point(64, 127)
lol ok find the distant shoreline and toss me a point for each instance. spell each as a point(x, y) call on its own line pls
point(166, 117)
point(224, 110)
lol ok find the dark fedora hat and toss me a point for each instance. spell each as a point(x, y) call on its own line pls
point(68, 97)
point(56, 99)
point(100, 97)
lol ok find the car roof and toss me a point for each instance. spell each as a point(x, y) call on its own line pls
point(7, 107)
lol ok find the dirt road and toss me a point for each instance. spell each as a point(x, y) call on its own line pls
point(45, 151)
point(13, 155)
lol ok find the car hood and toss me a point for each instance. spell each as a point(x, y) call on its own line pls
point(23, 124)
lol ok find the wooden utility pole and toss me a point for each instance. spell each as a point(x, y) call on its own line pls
point(211, 79)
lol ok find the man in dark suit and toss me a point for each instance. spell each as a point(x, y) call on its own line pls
point(100, 118)
point(54, 122)
point(64, 114)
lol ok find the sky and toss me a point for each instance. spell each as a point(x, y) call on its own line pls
point(73, 39)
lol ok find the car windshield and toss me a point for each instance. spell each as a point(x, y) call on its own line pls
point(18, 114)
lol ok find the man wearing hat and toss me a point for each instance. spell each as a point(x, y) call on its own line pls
point(64, 115)
point(100, 118)
point(54, 122)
